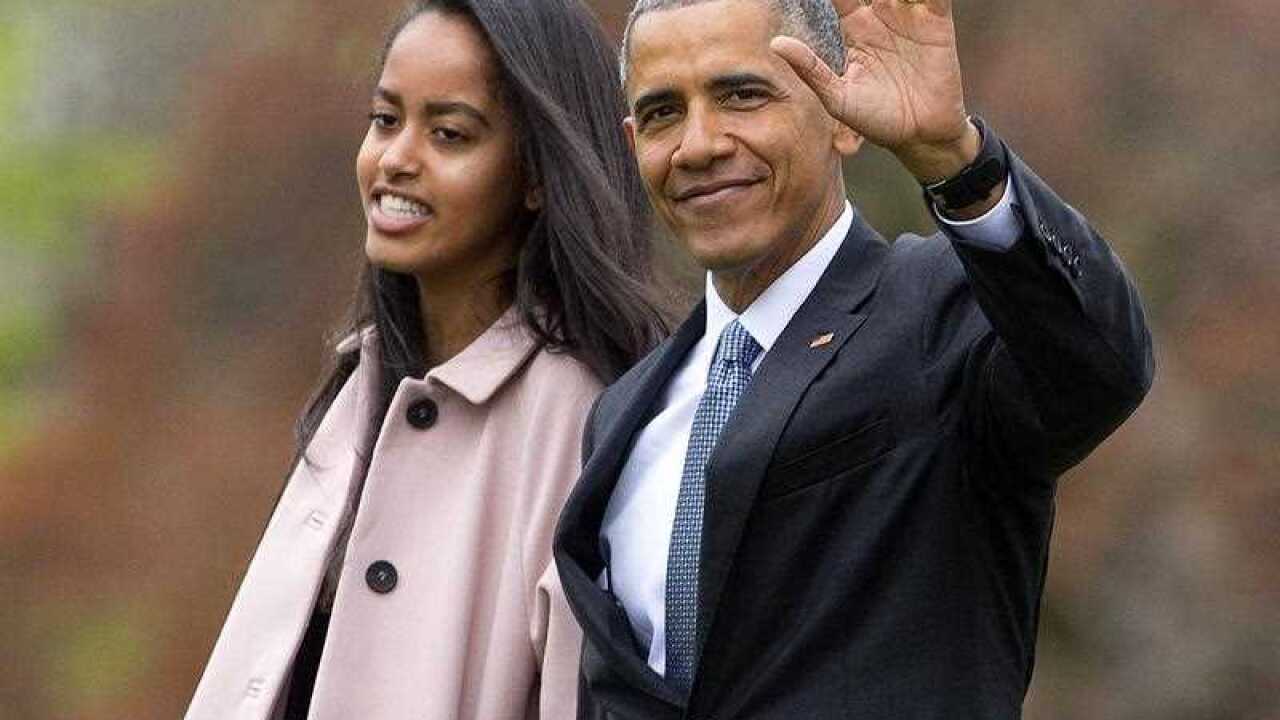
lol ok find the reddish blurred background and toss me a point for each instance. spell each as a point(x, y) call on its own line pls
point(179, 229)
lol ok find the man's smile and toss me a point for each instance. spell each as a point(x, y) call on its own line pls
point(709, 195)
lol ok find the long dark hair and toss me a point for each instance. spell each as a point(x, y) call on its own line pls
point(583, 280)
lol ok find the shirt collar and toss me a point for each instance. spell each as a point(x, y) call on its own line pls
point(768, 315)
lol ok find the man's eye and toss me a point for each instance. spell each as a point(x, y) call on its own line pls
point(746, 97)
point(383, 120)
point(658, 114)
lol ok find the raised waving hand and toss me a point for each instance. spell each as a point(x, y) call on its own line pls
point(901, 88)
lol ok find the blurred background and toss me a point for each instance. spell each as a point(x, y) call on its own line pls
point(179, 230)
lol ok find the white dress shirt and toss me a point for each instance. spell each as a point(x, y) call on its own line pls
point(636, 533)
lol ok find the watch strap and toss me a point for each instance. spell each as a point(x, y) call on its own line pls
point(976, 181)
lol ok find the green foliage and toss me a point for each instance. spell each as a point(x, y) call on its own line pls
point(49, 186)
point(15, 69)
point(45, 189)
point(98, 657)
point(26, 336)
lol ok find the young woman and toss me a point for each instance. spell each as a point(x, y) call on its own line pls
point(406, 571)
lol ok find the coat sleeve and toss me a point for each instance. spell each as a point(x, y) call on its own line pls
point(556, 450)
point(558, 643)
point(1067, 355)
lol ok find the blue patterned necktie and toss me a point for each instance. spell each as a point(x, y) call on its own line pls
point(729, 375)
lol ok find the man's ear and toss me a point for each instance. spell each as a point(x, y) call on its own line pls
point(629, 125)
point(845, 140)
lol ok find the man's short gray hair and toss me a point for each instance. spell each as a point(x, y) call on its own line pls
point(813, 21)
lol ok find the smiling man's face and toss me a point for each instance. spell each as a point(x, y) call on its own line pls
point(738, 155)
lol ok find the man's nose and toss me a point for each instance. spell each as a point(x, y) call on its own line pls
point(703, 141)
point(402, 155)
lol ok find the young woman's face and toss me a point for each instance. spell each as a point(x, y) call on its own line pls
point(439, 168)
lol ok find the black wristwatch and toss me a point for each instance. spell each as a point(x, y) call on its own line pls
point(977, 179)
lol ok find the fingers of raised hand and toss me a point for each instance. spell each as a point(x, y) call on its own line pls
point(805, 62)
point(886, 24)
point(845, 7)
point(937, 6)
point(812, 70)
point(863, 19)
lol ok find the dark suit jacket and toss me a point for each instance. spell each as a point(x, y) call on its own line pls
point(879, 507)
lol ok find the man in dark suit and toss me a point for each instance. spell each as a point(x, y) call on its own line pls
point(830, 493)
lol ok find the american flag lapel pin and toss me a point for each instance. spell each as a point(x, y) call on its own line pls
point(822, 339)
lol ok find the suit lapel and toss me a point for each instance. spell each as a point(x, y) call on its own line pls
point(636, 408)
point(622, 412)
point(746, 445)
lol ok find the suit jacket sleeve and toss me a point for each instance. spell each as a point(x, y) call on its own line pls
point(1070, 357)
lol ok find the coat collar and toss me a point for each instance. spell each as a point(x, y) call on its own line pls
point(492, 359)
point(480, 370)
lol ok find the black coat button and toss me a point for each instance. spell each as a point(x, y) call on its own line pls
point(423, 414)
point(381, 577)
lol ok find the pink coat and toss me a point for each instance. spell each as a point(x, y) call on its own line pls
point(463, 506)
